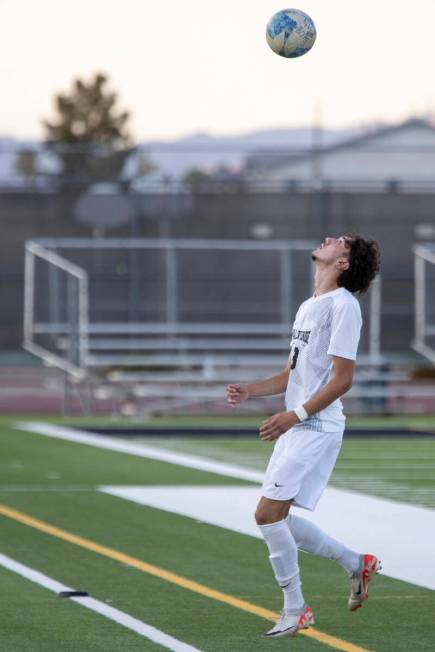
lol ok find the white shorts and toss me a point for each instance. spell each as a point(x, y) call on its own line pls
point(301, 463)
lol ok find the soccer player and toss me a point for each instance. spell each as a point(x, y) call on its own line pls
point(309, 433)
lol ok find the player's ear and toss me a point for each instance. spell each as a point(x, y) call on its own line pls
point(343, 264)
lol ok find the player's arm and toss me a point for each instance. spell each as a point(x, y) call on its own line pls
point(339, 384)
point(237, 393)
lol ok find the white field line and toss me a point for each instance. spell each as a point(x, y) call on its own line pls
point(149, 632)
point(141, 450)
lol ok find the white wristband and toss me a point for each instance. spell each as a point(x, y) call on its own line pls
point(301, 413)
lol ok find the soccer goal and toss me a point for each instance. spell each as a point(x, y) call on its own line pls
point(55, 306)
point(424, 265)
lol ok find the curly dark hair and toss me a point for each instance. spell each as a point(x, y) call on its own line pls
point(364, 263)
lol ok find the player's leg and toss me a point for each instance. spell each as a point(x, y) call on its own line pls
point(310, 538)
point(283, 552)
point(283, 556)
point(323, 450)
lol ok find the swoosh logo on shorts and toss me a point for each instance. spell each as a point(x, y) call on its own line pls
point(279, 485)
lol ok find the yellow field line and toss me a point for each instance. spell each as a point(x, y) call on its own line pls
point(163, 574)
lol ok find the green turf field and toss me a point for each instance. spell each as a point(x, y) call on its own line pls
point(55, 481)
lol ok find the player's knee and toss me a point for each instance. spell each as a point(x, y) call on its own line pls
point(264, 516)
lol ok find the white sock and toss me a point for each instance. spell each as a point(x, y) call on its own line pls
point(283, 556)
point(310, 538)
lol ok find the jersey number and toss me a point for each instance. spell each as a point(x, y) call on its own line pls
point(295, 358)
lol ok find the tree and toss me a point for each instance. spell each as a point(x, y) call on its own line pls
point(88, 115)
point(197, 179)
point(89, 132)
point(26, 165)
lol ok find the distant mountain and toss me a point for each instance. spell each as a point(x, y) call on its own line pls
point(173, 158)
point(296, 137)
point(209, 152)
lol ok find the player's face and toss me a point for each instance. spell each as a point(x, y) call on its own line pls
point(331, 249)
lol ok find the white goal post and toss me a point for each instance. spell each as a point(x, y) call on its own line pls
point(67, 283)
point(424, 334)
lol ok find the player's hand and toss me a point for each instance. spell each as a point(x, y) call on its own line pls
point(237, 394)
point(277, 425)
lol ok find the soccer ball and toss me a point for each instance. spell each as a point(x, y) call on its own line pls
point(290, 33)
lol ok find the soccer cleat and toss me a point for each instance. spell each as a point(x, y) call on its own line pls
point(359, 582)
point(290, 623)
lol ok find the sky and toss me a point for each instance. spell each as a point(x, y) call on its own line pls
point(192, 66)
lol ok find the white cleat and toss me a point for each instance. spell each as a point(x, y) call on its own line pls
point(290, 623)
point(359, 582)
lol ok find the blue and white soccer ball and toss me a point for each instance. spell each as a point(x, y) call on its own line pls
point(291, 33)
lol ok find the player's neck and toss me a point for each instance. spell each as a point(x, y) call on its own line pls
point(325, 280)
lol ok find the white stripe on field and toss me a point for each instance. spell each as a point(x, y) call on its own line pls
point(367, 523)
point(120, 617)
point(401, 535)
point(141, 450)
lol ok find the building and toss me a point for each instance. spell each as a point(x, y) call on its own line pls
point(396, 158)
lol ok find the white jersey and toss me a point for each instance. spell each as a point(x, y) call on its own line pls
point(327, 325)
